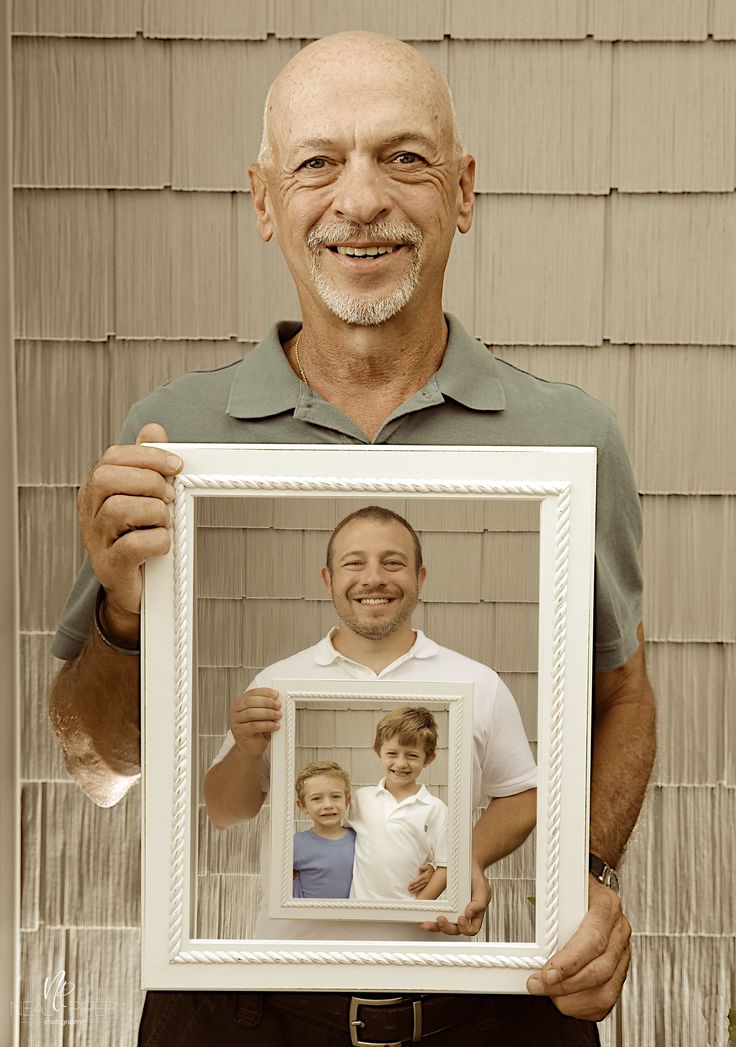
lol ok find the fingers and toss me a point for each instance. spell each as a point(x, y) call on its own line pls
point(152, 433)
point(471, 921)
point(124, 513)
point(585, 977)
point(254, 716)
point(121, 513)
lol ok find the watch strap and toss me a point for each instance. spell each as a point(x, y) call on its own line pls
point(603, 872)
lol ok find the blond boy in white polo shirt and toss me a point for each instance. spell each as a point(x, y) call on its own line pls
point(399, 824)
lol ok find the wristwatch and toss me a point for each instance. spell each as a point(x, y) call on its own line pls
point(603, 872)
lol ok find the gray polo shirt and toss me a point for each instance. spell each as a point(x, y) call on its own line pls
point(473, 399)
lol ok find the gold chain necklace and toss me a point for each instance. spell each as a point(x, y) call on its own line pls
point(298, 361)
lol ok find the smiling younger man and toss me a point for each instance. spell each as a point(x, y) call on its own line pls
point(361, 152)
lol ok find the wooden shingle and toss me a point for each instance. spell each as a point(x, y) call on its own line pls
point(217, 19)
point(40, 754)
point(723, 20)
point(174, 276)
point(702, 901)
point(679, 989)
point(409, 20)
point(672, 269)
point(219, 90)
point(220, 562)
point(510, 567)
point(688, 559)
point(538, 272)
point(534, 95)
point(658, 20)
point(105, 965)
point(516, 20)
point(62, 408)
point(673, 118)
point(234, 512)
point(220, 632)
point(453, 563)
point(91, 859)
point(77, 17)
point(63, 264)
point(692, 713)
point(49, 554)
point(261, 269)
point(274, 564)
point(42, 954)
point(92, 113)
point(31, 854)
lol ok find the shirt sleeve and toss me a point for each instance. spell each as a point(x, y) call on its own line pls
point(618, 581)
point(508, 765)
point(438, 833)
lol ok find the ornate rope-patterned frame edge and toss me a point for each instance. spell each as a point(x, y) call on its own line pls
point(191, 482)
point(452, 902)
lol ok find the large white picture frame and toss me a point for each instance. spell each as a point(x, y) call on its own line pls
point(562, 482)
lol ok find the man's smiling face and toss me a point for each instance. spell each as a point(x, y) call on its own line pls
point(365, 184)
point(374, 583)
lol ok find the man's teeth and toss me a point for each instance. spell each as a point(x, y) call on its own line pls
point(363, 252)
point(374, 601)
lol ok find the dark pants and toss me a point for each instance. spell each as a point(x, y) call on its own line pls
point(227, 1019)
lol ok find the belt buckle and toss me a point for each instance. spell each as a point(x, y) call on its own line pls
point(355, 1022)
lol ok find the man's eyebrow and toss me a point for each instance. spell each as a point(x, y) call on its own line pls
point(407, 137)
point(386, 552)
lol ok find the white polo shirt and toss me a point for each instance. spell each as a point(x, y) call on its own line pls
point(502, 761)
point(393, 838)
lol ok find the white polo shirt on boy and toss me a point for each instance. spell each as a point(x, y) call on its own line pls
point(502, 761)
point(393, 838)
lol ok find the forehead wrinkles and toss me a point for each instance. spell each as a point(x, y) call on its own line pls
point(303, 97)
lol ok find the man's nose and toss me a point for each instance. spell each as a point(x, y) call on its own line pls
point(373, 574)
point(361, 193)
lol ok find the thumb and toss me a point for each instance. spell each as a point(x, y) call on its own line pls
point(152, 433)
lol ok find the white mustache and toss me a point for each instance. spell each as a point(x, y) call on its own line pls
point(374, 232)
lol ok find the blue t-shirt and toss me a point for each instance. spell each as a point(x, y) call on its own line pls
point(324, 867)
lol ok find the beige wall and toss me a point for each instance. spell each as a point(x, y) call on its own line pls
point(603, 253)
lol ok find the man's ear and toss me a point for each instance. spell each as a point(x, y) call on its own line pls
point(465, 194)
point(421, 577)
point(261, 201)
point(327, 579)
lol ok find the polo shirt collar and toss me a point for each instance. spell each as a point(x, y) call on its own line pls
point(421, 796)
point(326, 654)
point(265, 385)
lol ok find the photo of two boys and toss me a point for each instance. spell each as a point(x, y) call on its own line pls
point(383, 842)
point(386, 840)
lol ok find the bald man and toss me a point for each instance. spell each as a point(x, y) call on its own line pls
point(363, 182)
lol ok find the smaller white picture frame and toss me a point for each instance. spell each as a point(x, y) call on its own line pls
point(457, 699)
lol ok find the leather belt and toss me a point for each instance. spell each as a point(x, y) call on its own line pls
point(371, 1021)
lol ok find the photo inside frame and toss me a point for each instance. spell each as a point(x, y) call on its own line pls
point(259, 598)
point(344, 733)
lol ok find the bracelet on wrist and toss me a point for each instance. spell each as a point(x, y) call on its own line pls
point(100, 629)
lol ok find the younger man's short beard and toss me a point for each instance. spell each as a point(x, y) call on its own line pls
point(378, 630)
